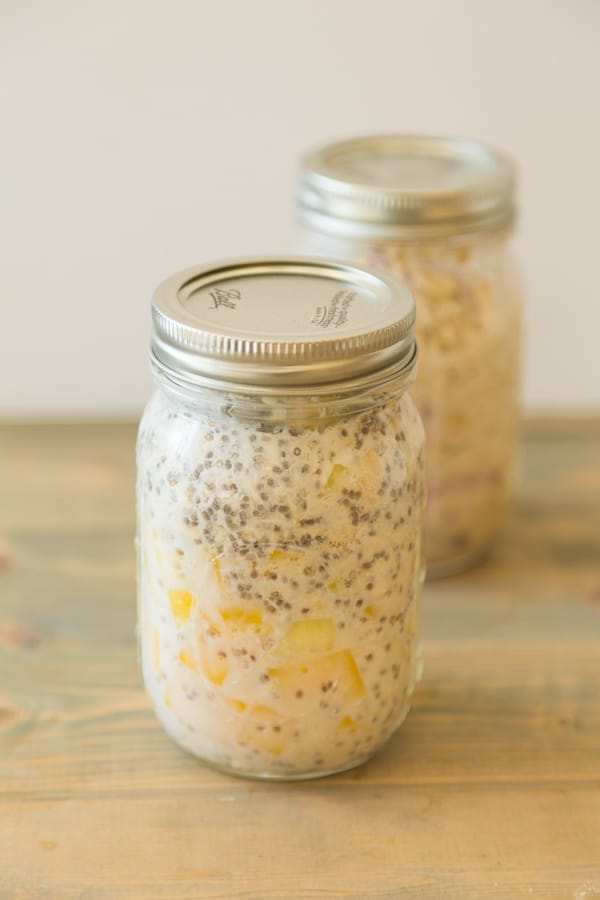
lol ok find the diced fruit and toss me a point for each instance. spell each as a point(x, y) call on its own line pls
point(336, 476)
point(213, 666)
point(344, 476)
point(187, 659)
point(266, 740)
point(237, 706)
point(347, 722)
point(236, 617)
point(283, 556)
point(208, 624)
point(214, 669)
point(306, 683)
point(255, 711)
point(208, 661)
point(309, 636)
point(258, 711)
point(182, 605)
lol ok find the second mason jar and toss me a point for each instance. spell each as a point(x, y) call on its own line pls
point(280, 499)
point(438, 212)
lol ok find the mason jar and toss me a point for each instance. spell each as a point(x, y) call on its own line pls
point(280, 507)
point(438, 212)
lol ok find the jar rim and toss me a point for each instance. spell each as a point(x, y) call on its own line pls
point(275, 323)
point(406, 187)
point(395, 377)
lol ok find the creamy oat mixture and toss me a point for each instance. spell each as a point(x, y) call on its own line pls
point(469, 334)
point(280, 568)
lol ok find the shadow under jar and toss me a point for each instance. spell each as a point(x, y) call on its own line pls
point(438, 212)
point(280, 510)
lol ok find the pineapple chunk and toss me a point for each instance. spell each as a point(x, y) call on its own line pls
point(347, 722)
point(209, 624)
point(254, 711)
point(182, 605)
point(237, 706)
point(283, 556)
point(267, 741)
point(258, 711)
point(187, 659)
point(304, 684)
point(308, 636)
point(336, 476)
point(213, 666)
point(236, 618)
point(344, 476)
point(215, 669)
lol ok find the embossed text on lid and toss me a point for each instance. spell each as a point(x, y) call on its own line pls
point(281, 321)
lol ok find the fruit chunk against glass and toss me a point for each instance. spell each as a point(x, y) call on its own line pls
point(301, 686)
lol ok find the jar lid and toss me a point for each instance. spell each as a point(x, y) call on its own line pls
point(407, 186)
point(281, 322)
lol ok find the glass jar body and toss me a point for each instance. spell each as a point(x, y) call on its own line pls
point(279, 579)
point(469, 311)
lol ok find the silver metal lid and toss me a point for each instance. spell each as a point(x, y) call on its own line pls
point(407, 186)
point(281, 322)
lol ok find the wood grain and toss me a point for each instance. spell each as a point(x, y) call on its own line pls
point(490, 789)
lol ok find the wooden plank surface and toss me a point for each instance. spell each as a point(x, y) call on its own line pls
point(490, 789)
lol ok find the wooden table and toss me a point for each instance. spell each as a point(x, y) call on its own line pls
point(491, 788)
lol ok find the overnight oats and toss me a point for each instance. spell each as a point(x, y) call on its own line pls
point(437, 213)
point(280, 505)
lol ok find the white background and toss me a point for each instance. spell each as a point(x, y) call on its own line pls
point(141, 137)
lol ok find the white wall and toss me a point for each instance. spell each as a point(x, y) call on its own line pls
point(140, 137)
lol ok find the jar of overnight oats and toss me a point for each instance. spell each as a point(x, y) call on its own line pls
point(438, 212)
point(280, 507)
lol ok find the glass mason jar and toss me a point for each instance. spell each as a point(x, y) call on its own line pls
point(438, 213)
point(280, 498)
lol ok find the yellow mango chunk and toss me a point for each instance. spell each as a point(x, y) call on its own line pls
point(309, 636)
point(335, 675)
point(212, 665)
point(336, 476)
point(258, 711)
point(187, 659)
point(347, 722)
point(215, 669)
point(237, 617)
point(237, 705)
point(182, 605)
point(267, 741)
point(209, 624)
point(283, 556)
